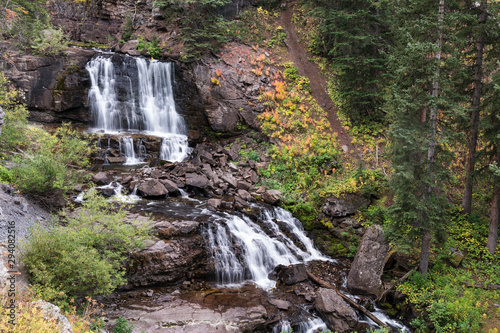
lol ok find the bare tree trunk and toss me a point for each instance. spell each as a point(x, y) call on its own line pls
point(491, 245)
point(424, 253)
point(476, 102)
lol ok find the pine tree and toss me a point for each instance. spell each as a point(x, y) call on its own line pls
point(422, 99)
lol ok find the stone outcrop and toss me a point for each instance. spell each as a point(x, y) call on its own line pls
point(178, 254)
point(53, 88)
point(338, 315)
point(53, 312)
point(368, 264)
point(347, 205)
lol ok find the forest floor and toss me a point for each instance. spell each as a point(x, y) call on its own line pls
point(297, 52)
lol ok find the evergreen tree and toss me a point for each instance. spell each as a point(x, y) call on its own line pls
point(421, 103)
point(354, 36)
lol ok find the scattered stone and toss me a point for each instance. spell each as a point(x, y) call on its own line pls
point(232, 155)
point(214, 203)
point(456, 256)
point(171, 187)
point(245, 195)
point(280, 304)
point(240, 204)
point(292, 274)
point(101, 178)
point(243, 185)
point(228, 178)
point(233, 167)
point(196, 180)
point(368, 264)
point(271, 196)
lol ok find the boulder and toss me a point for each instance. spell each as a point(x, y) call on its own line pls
point(349, 204)
point(337, 314)
point(196, 180)
point(152, 188)
point(130, 45)
point(228, 178)
point(368, 264)
point(271, 196)
point(245, 195)
point(280, 304)
point(53, 312)
point(214, 203)
point(101, 178)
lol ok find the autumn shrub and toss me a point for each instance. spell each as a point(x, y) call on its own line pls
point(86, 255)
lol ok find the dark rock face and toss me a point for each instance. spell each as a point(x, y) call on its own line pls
point(368, 264)
point(347, 205)
point(338, 315)
point(53, 88)
point(177, 255)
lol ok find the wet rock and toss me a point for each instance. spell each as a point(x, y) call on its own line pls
point(116, 160)
point(152, 188)
point(347, 205)
point(271, 196)
point(53, 312)
point(368, 264)
point(337, 314)
point(292, 274)
point(196, 180)
point(240, 204)
point(101, 178)
point(106, 191)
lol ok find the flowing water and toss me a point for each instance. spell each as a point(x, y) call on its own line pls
point(135, 95)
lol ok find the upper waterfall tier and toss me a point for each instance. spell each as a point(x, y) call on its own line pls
point(131, 94)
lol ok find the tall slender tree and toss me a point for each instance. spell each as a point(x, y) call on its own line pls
point(421, 98)
point(476, 106)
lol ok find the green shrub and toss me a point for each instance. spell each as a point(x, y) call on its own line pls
point(85, 256)
point(16, 118)
point(123, 326)
point(49, 42)
point(128, 29)
point(153, 47)
point(54, 163)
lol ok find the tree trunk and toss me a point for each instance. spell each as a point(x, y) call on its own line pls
point(424, 252)
point(431, 153)
point(491, 245)
point(476, 102)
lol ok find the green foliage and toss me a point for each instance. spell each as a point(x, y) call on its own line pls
point(14, 129)
point(86, 255)
point(5, 175)
point(353, 36)
point(278, 38)
point(153, 47)
point(49, 42)
point(202, 28)
point(54, 162)
point(128, 29)
point(123, 326)
point(252, 26)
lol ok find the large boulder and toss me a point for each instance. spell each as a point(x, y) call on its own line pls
point(196, 180)
point(368, 264)
point(349, 204)
point(292, 274)
point(152, 188)
point(337, 314)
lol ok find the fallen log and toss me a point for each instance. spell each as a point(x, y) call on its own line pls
point(402, 279)
point(325, 284)
point(487, 286)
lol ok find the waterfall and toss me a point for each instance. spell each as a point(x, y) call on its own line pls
point(245, 250)
point(134, 95)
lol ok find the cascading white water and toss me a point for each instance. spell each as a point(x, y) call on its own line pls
point(128, 150)
point(259, 253)
point(136, 96)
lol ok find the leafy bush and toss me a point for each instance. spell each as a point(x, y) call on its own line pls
point(54, 162)
point(49, 42)
point(87, 255)
point(153, 47)
point(123, 326)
